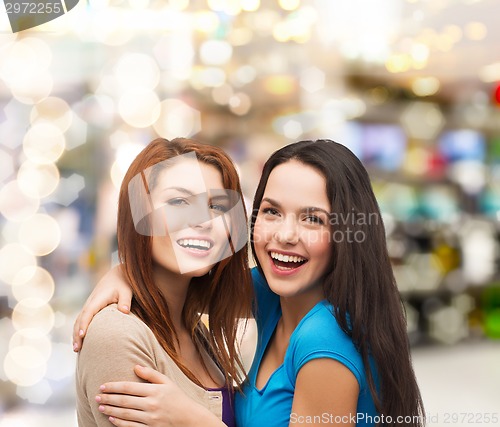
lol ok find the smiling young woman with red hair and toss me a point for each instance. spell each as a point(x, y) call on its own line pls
point(179, 265)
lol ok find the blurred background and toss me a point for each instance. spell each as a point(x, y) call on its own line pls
point(412, 87)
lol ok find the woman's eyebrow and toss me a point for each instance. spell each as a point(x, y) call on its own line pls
point(302, 209)
point(271, 201)
point(219, 197)
point(179, 189)
point(314, 209)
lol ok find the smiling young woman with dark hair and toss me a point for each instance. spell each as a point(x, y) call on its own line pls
point(332, 346)
point(357, 281)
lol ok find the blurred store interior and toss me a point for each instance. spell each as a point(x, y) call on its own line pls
point(412, 87)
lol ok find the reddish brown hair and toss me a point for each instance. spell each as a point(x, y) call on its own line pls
point(225, 293)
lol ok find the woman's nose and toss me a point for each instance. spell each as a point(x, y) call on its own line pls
point(287, 231)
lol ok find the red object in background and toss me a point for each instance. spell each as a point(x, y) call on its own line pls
point(436, 166)
point(497, 95)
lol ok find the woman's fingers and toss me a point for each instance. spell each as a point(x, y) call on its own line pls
point(127, 387)
point(124, 414)
point(82, 319)
point(124, 423)
point(122, 401)
point(91, 308)
point(151, 375)
point(77, 341)
point(112, 288)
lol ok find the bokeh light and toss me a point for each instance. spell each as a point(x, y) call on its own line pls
point(29, 313)
point(139, 107)
point(54, 110)
point(289, 4)
point(137, 70)
point(240, 103)
point(33, 282)
point(6, 165)
point(44, 143)
point(24, 365)
point(13, 258)
point(447, 325)
point(125, 154)
point(250, 5)
point(422, 120)
point(32, 338)
point(215, 52)
point(425, 86)
point(31, 88)
point(15, 205)
point(230, 7)
point(36, 180)
point(312, 79)
point(177, 118)
point(40, 234)
point(222, 94)
point(280, 84)
point(476, 31)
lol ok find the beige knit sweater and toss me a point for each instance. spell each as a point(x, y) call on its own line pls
point(114, 343)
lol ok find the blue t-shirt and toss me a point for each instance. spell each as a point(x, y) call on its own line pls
point(316, 336)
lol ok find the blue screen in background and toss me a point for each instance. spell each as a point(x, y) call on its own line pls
point(384, 146)
point(462, 145)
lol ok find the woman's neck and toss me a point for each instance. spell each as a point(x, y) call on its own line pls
point(293, 309)
point(174, 288)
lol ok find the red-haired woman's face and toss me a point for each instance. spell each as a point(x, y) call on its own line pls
point(191, 200)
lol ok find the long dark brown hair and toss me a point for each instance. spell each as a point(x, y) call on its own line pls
point(225, 293)
point(360, 283)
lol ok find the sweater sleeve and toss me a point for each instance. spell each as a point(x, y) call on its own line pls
point(114, 343)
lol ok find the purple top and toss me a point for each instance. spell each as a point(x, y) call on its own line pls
point(227, 406)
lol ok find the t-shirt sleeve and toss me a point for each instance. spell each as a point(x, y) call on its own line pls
point(321, 337)
point(114, 343)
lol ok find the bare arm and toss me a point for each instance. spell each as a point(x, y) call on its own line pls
point(112, 288)
point(325, 389)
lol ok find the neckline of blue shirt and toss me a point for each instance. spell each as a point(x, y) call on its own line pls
point(315, 308)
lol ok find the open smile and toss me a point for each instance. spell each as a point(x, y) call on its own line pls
point(285, 262)
point(196, 247)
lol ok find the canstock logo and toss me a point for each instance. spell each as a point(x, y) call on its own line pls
point(25, 14)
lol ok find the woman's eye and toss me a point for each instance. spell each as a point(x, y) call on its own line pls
point(314, 220)
point(178, 201)
point(219, 208)
point(270, 211)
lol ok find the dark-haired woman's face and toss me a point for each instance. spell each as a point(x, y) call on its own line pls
point(292, 233)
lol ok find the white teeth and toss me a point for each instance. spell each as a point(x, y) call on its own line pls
point(286, 258)
point(194, 242)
